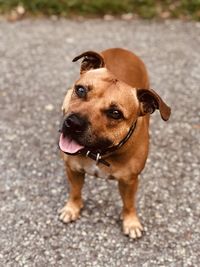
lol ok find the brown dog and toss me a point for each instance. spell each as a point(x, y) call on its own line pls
point(105, 129)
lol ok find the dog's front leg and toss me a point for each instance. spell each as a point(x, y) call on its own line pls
point(131, 223)
point(71, 210)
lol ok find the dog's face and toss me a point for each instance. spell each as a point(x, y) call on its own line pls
point(100, 110)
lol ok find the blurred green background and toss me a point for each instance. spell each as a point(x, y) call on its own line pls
point(185, 9)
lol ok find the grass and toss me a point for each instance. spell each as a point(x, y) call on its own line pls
point(189, 9)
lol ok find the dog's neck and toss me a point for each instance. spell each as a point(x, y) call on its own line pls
point(97, 156)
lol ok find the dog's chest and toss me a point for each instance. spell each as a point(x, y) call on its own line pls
point(95, 170)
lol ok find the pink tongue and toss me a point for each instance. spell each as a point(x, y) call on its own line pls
point(68, 145)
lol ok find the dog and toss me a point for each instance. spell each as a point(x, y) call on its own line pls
point(105, 128)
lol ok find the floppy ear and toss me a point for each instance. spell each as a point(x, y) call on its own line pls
point(91, 60)
point(150, 101)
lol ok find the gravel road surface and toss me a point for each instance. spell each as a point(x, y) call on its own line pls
point(35, 72)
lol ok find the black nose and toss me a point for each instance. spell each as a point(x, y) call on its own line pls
point(75, 123)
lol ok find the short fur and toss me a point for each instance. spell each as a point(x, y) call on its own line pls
point(115, 77)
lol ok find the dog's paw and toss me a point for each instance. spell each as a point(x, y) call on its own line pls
point(69, 213)
point(132, 227)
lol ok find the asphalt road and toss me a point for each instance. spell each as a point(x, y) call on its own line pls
point(35, 72)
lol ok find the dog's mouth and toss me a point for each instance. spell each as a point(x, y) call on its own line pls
point(69, 145)
point(77, 137)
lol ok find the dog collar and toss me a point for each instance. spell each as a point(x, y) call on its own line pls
point(97, 156)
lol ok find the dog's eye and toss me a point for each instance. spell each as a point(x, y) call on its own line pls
point(80, 91)
point(114, 114)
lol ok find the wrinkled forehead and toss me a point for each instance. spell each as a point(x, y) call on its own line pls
point(104, 85)
point(96, 76)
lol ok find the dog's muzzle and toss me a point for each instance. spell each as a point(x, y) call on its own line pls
point(73, 128)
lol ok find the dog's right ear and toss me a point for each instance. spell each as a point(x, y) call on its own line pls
point(91, 60)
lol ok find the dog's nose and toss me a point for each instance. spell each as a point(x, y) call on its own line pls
point(75, 123)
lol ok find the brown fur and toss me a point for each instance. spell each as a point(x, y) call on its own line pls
point(115, 76)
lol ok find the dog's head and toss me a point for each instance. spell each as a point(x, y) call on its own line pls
point(100, 109)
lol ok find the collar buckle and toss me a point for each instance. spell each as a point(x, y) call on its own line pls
point(98, 157)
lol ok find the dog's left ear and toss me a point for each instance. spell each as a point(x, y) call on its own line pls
point(91, 60)
point(150, 101)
